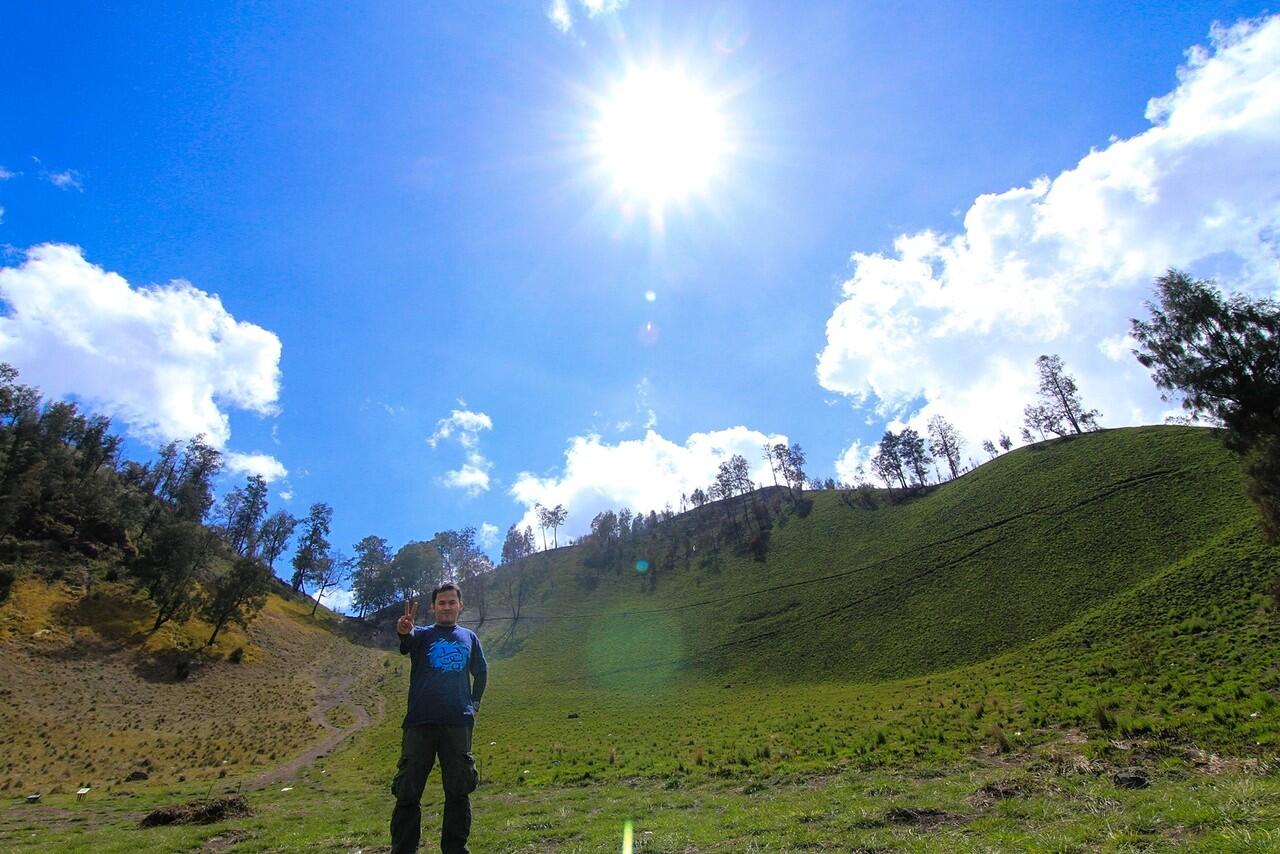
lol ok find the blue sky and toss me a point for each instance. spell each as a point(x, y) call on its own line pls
point(392, 213)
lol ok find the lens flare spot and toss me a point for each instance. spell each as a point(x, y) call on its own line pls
point(642, 566)
point(650, 296)
point(628, 838)
point(634, 654)
point(648, 333)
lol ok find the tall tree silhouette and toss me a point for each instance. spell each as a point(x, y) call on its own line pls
point(945, 442)
point(1221, 357)
point(313, 546)
point(1060, 396)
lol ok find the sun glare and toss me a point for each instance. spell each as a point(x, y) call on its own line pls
point(660, 137)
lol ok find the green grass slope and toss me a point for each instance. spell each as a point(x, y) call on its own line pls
point(1008, 553)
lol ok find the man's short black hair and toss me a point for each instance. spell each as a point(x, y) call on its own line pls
point(448, 585)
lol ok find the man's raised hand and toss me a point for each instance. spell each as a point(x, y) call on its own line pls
point(404, 626)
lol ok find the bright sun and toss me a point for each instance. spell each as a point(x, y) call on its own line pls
point(659, 137)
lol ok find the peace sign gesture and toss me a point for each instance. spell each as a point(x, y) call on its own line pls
point(404, 626)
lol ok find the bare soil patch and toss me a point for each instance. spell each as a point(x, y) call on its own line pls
point(922, 817)
point(225, 841)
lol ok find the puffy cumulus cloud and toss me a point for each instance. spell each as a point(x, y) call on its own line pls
point(953, 323)
point(265, 465)
point(464, 426)
point(164, 359)
point(560, 13)
point(640, 474)
point(472, 477)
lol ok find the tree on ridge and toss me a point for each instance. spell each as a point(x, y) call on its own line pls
point(1221, 356)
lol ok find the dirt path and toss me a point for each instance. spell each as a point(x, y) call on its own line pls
point(333, 690)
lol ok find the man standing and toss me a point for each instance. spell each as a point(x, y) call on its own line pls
point(443, 701)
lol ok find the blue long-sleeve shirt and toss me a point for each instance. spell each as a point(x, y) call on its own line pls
point(447, 675)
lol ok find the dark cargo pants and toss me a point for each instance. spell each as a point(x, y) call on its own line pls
point(418, 751)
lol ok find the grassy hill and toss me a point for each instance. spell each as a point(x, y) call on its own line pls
point(90, 696)
point(1059, 579)
point(1003, 555)
point(966, 670)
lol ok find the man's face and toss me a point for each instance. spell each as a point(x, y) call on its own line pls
point(446, 607)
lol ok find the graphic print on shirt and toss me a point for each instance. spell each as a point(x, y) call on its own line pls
point(449, 656)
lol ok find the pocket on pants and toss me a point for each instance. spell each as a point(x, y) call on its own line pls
point(463, 777)
point(473, 774)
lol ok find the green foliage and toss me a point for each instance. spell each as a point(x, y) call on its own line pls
point(189, 489)
point(169, 567)
point(241, 516)
point(57, 473)
point(372, 585)
point(1221, 357)
point(1059, 407)
point(273, 537)
point(313, 548)
point(236, 595)
point(416, 569)
point(1261, 467)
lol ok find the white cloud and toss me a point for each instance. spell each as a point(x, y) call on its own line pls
point(643, 406)
point(338, 600)
point(286, 495)
point(165, 359)
point(472, 477)
point(462, 424)
point(385, 407)
point(5, 174)
point(561, 15)
point(488, 535)
point(67, 179)
point(602, 7)
point(1118, 348)
point(464, 427)
point(640, 474)
point(952, 323)
point(851, 465)
point(268, 466)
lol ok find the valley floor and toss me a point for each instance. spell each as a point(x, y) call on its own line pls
point(1051, 795)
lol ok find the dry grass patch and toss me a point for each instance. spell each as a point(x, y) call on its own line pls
point(89, 697)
